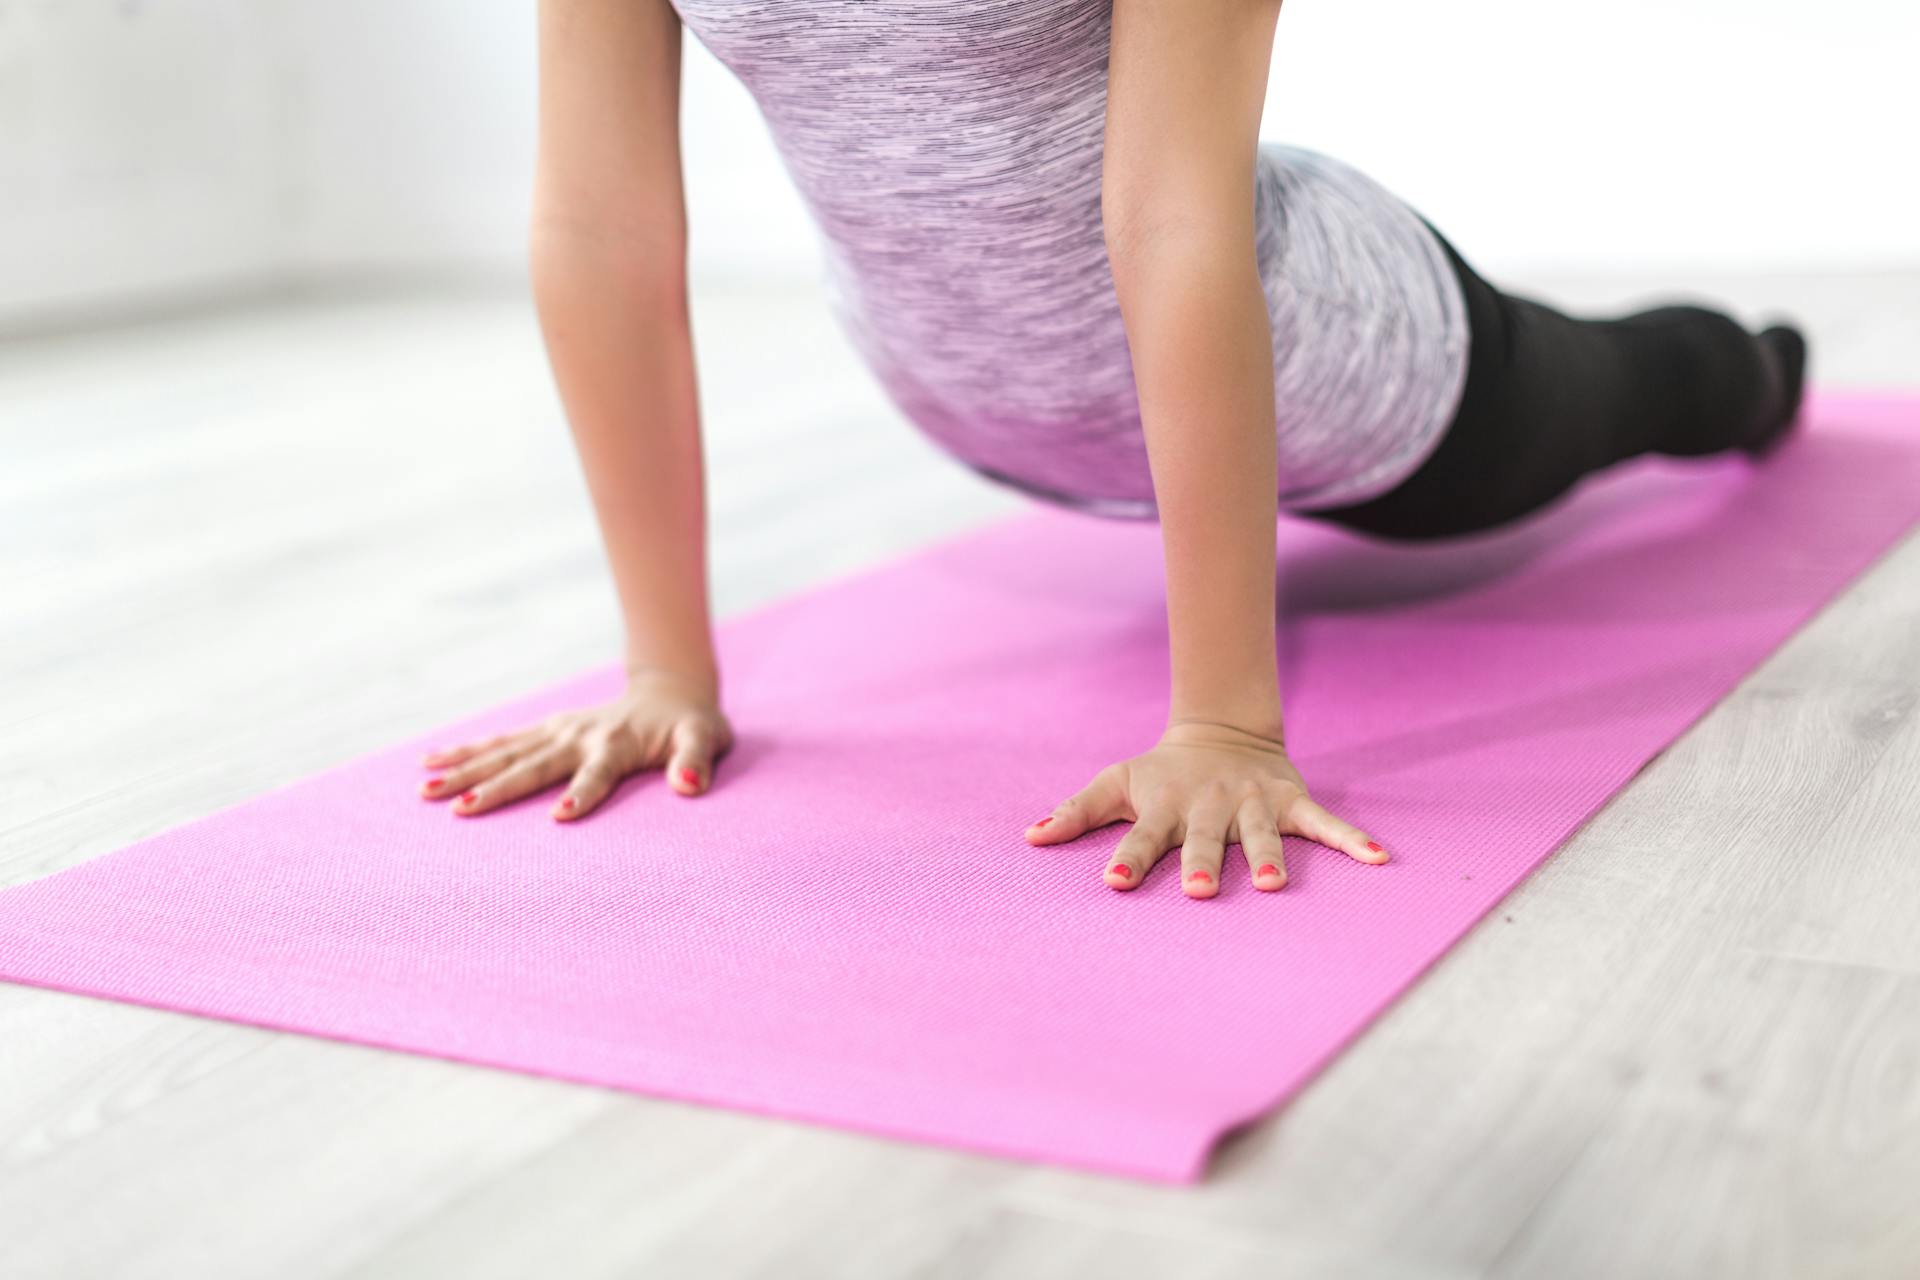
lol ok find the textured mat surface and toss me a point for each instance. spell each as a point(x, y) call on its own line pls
point(849, 928)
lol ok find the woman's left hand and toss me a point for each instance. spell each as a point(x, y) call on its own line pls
point(1202, 787)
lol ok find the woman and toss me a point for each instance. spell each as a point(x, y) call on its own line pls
point(1055, 236)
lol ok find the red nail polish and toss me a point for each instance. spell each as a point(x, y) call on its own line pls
point(1267, 869)
point(1122, 870)
point(689, 777)
point(434, 784)
point(1044, 821)
point(1200, 877)
point(567, 802)
point(469, 797)
point(1371, 845)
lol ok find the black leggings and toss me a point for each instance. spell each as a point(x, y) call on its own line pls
point(1551, 398)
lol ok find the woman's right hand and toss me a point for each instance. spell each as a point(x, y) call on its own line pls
point(661, 720)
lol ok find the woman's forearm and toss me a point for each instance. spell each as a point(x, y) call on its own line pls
point(1201, 343)
point(1186, 84)
point(615, 317)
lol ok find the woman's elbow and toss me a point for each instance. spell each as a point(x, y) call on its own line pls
point(629, 230)
point(1149, 229)
point(563, 254)
point(1176, 251)
point(1134, 228)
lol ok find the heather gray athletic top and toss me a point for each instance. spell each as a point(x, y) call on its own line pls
point(950, 152)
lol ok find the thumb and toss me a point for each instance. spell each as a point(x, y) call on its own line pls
point(1101, 801)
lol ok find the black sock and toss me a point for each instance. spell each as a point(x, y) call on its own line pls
point(1704, 384)
point(1787, 347)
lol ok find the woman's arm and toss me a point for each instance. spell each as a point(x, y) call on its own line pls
point(608, 249)
point(1186, 83)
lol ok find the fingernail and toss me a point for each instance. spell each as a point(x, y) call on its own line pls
point(690, 777)
point(433, 784)
point(1044, 821)
point(1371, 845)
point(1200, 877)
point(1122, 870)
point(566, 802)
point(469, 797)
point(1267, 869)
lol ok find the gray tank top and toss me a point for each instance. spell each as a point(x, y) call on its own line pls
point(950, 153)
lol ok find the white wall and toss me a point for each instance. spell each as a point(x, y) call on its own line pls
point(411, 132)
point(138, 158)
point(1726, 133)
point(157, 148)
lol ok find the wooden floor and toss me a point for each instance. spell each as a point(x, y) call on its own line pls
point(242, 546)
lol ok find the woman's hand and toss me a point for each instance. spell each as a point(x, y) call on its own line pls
point(659, 720)
point(1203, 787)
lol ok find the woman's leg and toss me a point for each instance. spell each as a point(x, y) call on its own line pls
point(1551, 398)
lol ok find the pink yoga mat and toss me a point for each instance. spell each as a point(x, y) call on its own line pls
point(850, 928)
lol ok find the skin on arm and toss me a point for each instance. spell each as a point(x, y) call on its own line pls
point(1186, 83)
point(608, 257)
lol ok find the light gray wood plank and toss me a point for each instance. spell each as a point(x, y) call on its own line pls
point(1772, 1136)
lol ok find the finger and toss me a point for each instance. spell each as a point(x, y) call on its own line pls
point(1202, 852)
point(441, 757)
point(458, 781)
point(1261, 843)
point(538, 770)
point(1101, 801)
point(690, 765)
point(1307, 818)
point(1143, 845)
point(592, 782)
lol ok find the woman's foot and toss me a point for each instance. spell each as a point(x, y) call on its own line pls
point(1786, 349)
point(1713, 385)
